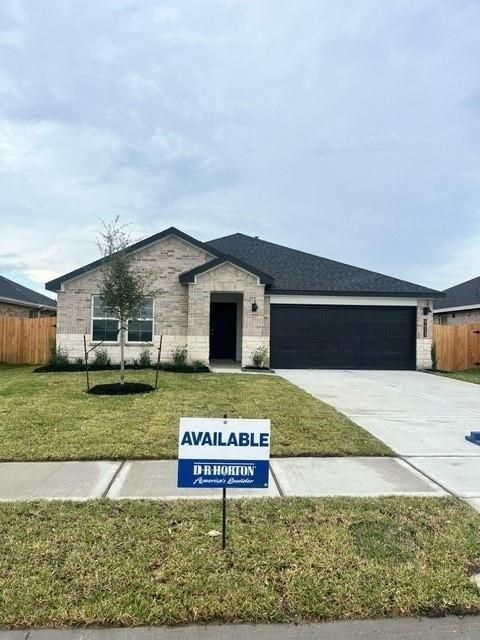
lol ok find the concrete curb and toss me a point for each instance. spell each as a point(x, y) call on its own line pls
point(448, 628)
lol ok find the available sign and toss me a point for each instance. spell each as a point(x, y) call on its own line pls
point(223, 452)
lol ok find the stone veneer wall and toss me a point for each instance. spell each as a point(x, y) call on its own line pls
point(167, 258)
point(227, 278)
point(424, 344)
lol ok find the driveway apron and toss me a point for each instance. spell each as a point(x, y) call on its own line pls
point(423, 417)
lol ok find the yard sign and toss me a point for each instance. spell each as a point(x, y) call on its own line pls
point(223, 453)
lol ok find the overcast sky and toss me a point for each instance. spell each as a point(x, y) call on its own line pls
point(346, 128)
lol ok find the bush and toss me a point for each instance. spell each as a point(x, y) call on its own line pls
point(179, 355)
point(145, 358)
point(58, 360)
point(259, 356)
point(101, 358)
point(79, 362)
point(434, 356)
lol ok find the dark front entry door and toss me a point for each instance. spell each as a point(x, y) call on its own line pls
point(223, 330)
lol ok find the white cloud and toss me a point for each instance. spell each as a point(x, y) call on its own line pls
point(349, 130)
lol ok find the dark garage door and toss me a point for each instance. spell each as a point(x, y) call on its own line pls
point(342, 337)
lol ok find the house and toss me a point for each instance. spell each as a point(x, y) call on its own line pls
point(460, 305)
point(19, 301)
point(225, 298)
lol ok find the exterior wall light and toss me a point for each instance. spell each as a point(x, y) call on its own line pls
point(426, 311)
point(254, 305)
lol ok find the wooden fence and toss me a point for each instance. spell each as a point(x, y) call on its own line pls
point(458, 346)
point(26, 340)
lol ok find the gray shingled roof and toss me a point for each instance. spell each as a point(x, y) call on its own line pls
point(290, 270)
point(10, 290)
point(461, 295)
point(296, 271)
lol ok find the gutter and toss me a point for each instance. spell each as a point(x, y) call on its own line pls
point(31, 305)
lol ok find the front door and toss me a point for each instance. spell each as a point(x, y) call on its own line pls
point(223, 330)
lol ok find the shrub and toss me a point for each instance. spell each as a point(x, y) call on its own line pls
point(58, 359)
point(259, 356)
point(434, 356)
point(79, 362)
point(101, 358)
point(145, 358)
point(198, 365)
point(179, 355)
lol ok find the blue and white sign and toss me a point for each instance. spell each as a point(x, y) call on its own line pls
point(223, 452)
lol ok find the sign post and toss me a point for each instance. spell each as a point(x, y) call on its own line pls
point(223, 453)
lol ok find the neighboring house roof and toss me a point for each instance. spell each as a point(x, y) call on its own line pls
point(282, 269)
point(296, 271)
point(465, 294)
point(15, 293)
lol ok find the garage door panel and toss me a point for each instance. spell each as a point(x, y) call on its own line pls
point(347, 337)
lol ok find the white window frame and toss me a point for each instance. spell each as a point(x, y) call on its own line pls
point(92, 318)
point(153, 322)
point(116, 342)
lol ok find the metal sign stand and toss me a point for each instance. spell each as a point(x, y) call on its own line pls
point(224, 507)
point(224, 523)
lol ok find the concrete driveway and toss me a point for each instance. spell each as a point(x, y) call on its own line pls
point(422, 417)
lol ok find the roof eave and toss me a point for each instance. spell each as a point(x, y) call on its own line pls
point(24, 303)
point(340, 292)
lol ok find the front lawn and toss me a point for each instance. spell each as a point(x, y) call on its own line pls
point(134, 563)
point(468, 375)
point(48, 416)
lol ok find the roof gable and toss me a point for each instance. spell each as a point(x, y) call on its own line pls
point(56, 284)
point(14, 292)
point(189, 276)
point(296, 271)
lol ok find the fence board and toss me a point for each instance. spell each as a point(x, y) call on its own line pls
point(458, 346)
point(26, 340)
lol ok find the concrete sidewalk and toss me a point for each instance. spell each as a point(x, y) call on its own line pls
point(156, 479)
point(408, 629)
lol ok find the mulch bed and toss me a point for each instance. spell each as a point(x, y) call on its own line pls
point(117, 389)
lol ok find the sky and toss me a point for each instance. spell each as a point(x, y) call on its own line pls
point(345, 128)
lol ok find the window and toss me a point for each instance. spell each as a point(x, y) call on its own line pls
point(141, 329)
point(104, 326)
point(425, 328)
point(443, 319)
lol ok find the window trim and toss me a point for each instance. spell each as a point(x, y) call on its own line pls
point(137, 342)
point(117, 342)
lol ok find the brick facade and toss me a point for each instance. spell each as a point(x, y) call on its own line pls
point(12, 310)
point(458, 317)
point(227, 278)
point(165, 260)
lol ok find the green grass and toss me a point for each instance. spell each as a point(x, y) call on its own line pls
point(469, 375)
point(133, 563)
point(48, 416)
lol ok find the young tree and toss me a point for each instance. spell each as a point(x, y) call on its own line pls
point(123, 285)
